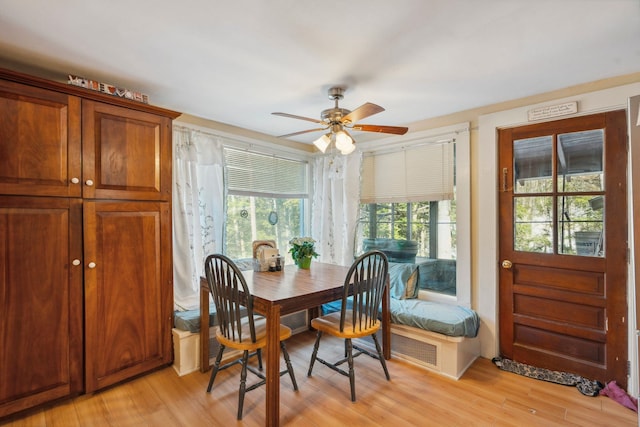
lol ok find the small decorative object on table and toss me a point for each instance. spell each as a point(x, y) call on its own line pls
point(302, 250)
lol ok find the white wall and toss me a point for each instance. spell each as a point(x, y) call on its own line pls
point(485, 213)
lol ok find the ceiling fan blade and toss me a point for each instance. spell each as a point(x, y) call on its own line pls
point(365, 110)
point(293, 116)
point(396, 130)
point(301, 132)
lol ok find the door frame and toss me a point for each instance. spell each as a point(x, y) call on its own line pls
point(484, 202)
point(601, 351)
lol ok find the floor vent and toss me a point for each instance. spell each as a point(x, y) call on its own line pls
point(424, 352)
point(449, 356)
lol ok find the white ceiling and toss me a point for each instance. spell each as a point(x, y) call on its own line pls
point(238, 61)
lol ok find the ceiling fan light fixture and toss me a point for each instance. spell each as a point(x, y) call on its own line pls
point(335, 119)
point(323, 142)
point(343, 141)
point(349, 149)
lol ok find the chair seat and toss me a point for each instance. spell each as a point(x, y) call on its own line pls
point(261, 336)
point(331, 325)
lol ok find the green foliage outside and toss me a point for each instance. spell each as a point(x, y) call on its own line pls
point(533, 212)
point(411, 221)
point(261, 218)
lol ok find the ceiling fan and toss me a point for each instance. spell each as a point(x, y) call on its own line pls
point(338, 120)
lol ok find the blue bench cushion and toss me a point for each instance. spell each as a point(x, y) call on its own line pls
point(189, 320)
point(446, 319)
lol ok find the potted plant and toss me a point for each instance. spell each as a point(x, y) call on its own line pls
point(302, 250)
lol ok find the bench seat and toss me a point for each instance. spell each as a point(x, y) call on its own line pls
point(446, 319)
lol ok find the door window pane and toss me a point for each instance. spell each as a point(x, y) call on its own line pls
point(533, 228)
point(581, 225)
point(580, 161)
point(533, 167)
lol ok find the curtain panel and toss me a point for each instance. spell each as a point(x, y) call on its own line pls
point(335, 206)
point(198, 210)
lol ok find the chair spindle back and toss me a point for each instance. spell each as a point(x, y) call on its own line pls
point(368, 277)
point(231, 297)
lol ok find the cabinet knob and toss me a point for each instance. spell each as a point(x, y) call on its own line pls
point(92, 265)
point(75, 180)
point(89, 182)
point(75, 262)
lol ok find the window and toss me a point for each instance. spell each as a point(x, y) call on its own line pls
point(411, 209)
point(432, 225)
point(420, 233)
point(266, 199)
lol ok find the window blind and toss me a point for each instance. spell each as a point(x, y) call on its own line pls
point(255, 174)
point(415, 174)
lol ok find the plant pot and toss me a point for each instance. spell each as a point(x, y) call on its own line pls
point(304, 262)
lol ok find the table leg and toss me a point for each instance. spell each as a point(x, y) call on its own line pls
point(273, 366)
point(386, 323)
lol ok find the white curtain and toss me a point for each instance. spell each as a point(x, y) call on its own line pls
point(335, 205)
point(198, 210)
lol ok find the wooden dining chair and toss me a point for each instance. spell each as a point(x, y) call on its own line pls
point(358, 317)
point(237, 327)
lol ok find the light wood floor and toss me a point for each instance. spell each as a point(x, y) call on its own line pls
point(484, 396)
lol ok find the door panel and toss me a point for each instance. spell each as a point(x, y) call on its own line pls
point(127, 290)
point(563, 242)
point(39, 141)
point(126, 153)
point(40, 301)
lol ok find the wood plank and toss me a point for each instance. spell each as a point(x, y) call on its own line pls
point(484, 396)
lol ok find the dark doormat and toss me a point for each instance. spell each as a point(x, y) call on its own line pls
point(584, 386)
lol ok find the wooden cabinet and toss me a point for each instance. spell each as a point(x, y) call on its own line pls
point(86, 291)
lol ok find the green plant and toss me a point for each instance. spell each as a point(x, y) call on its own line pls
point(302, 247)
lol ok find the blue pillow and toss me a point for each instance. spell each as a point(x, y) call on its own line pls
point(403, 280)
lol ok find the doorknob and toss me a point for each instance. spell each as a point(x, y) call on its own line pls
point(507, 264)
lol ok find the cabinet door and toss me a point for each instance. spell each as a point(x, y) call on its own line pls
point(40, 301)
point(128, 289)
point(126, 153)
point(39, 141)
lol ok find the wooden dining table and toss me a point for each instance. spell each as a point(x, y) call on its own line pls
point(283, 292)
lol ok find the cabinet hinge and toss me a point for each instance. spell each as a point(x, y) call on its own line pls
point(628, 367)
